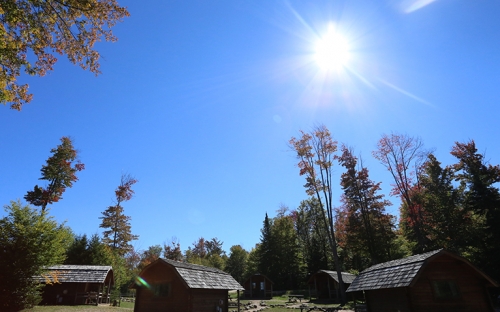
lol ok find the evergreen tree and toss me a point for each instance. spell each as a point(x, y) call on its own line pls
point(119, 231)
point(59, 172)
point(311, 235)
point(287, 266)
point(88, 252)
point(77, 251)
point(448, 224)
point(266, 251)
point(482, 197)
point(278, 254)
point(369, 228)
point(29, 242)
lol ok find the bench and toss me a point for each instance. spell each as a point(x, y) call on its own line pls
point(291, 297)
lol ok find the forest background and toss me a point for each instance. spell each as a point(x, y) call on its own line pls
point(455, 207)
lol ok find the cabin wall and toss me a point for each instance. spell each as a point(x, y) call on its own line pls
point(209, 300)
point(162, 290)
point(472, 295)
point(388, 300)
point(469, 294)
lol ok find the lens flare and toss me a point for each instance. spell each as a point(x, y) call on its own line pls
point(141, 282)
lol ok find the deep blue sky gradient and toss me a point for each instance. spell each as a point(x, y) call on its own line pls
point(198, 100)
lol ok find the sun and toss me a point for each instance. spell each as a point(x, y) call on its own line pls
point(332, 51)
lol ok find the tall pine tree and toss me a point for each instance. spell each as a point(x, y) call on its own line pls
point(118, 233)
point(482, 197)
point(369, 228)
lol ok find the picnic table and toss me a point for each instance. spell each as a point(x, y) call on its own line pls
point(290, 297)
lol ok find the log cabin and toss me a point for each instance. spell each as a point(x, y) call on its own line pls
point(436, 281)
point(76, 284)
point(258, 286)
point(167, 285)
point(324, 284)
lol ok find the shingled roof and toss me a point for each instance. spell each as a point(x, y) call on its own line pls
point(392, 274)
point(346, 277)
point(202, 277)
point(76, 273)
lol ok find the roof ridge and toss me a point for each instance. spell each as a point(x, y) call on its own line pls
point(192, 266)
point(403, 261)
point(77, 266)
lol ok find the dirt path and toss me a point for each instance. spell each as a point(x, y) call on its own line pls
point(254, 306)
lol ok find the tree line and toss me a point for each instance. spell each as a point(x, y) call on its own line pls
point(455, 207)
point(31, 240)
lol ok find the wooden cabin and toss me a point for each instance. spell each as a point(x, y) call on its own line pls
point(258, 286)
point(437, 281)
point(324, 284)
point(76, 284)
point(167, 285)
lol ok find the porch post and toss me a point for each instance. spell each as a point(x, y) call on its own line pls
point(316, 287)
point(108, 300)
point(329, 291)
point(238, 294)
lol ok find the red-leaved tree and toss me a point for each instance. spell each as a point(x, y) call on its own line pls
point(316, 152)
point(403, 157)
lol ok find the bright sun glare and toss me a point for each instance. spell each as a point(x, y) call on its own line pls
point(332, 51)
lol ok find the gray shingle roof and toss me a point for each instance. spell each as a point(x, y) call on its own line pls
point(346, 277)
point(202, 277)
point(392, 274)
point(76, 273)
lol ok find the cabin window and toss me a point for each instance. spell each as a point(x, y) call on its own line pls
point(445, 290)
point(161, 290)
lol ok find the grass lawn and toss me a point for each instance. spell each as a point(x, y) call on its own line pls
point(129, 306)
point(84, 308)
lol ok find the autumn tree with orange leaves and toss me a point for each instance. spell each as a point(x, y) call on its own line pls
point(172, 250)
point(316, 152)
point(118, 233)
point(33, 32)
point(60, 172)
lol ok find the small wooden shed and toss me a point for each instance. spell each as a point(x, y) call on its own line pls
point(258, 286)
point(167, 285)
point(434, 281)
point(324, 284)
point(76, 284)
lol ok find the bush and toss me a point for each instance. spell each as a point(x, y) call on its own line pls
point(29, 242)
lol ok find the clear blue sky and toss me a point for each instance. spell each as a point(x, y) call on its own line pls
point(198, 100)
